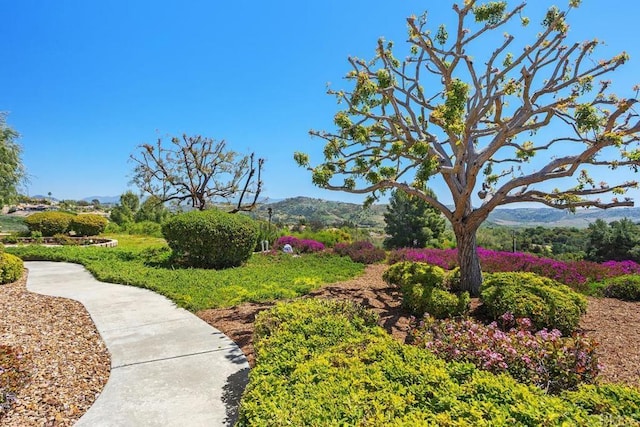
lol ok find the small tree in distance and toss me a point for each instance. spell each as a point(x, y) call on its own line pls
point(198, 171)
point(411, 222)
point(12, 172)
point(450, 111)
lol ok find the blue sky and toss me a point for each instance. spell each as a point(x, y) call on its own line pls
point(85, 82)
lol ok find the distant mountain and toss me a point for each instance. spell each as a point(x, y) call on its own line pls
point(328, 213)
point(548, 217)
point(293, 210)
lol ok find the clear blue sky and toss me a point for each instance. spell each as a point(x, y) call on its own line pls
point(85, 82)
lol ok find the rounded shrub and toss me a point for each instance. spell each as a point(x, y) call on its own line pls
point(423, 289)
point(88, 224)
point(362, 251)
point(625, 287)
point(407, 272)
point(10, 268)
point(211, 238)
point(547, 303)
point(49, 223)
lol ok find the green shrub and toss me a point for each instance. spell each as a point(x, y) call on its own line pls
point(546, 302)
point(408, 273)
point(88, 224)
point(610, 400)
point(49, 223)
point(423, 288)
point(625, 287)
point(322, 363)
point(211, 238)
point(10, 268)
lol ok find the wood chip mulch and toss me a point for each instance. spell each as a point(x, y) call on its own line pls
point(614, 324)
point(67, 361)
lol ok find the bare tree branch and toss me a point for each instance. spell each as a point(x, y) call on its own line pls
point(197, 170)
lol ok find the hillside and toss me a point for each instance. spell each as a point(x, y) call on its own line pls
point(329, 213)
point(293, 210)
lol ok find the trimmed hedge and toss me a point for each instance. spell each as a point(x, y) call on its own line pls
point(211, 238)
point(423, 287)
point(322, 363)
point(623, 287)
point(49, 223)
point(11, 268)
point(547, 303)
point(88, 224)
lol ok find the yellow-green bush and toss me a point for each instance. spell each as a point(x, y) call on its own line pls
point(88, 224)
point(322, 363)
point(424, 290)
point(11, 268)
point(547, 303)
point(49, 223)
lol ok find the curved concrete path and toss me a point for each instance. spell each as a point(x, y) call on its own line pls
point(168, 367)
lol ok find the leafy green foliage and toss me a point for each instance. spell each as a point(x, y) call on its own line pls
point(326, 363)
point(423, 290)
point(88, 224)
point(546, 302)
point(618, 240)
point(144, 263)
point(620, 404)
point(411, 222)
point(12, 171)
point(49, 223)
point(11, 268)
point(625, 287)
point(211, 238)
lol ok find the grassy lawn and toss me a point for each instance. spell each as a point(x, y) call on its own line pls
point(142, 261)
point(12, 224)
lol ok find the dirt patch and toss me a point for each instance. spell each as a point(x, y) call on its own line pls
point(612, 323)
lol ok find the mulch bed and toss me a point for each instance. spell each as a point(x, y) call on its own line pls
point(67, 361)
point(614, 324)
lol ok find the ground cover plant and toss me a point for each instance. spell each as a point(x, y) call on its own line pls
point(576, 274)
point(264, 277)
point(539, 357)
point(327, 363)
point(302, 246)
point(360, 251)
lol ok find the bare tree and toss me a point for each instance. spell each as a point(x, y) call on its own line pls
point(473, 122)
point(198, 171)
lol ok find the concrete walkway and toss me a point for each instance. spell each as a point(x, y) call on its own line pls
point(168, 367)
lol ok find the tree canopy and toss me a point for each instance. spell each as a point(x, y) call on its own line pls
point(12, 172)
point(411, 222)
point(471, 117)
point(198, 171)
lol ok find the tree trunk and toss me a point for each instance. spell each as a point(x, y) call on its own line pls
point(470, 272)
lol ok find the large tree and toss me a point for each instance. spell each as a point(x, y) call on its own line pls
point(473, 120)
point(198, 171)
point(12, 172)
point(411, 222)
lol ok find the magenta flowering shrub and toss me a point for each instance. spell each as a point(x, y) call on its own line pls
point(299, 245)
point(363, 252)
point(543, 358)
point(443, 258)
point(572, 273)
